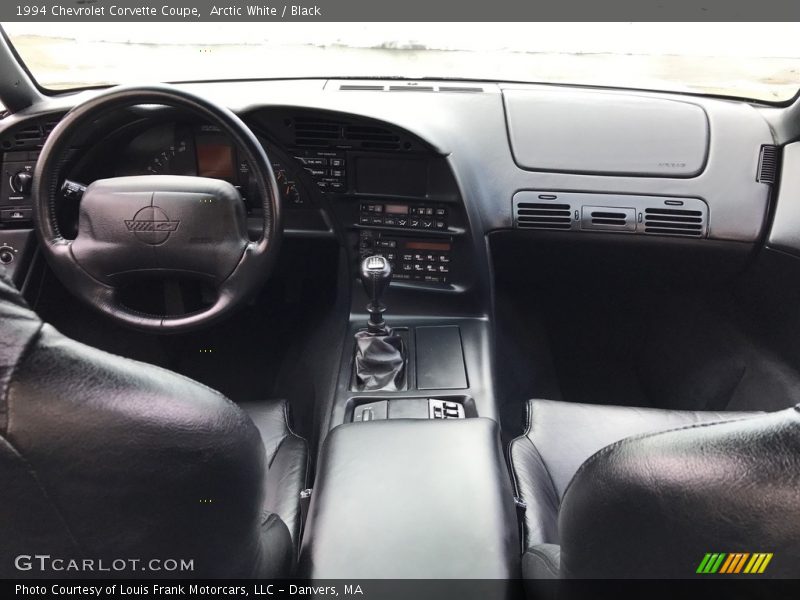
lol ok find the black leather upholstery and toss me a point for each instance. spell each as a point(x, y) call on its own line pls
point(412, 498)
point(286, 459)
point(102, 457)
point(559, 436)
point(653, 502)
point(712, 487)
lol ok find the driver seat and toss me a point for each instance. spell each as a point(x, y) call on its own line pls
point(104, 458)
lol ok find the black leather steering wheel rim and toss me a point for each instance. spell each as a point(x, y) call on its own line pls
point(256, 261)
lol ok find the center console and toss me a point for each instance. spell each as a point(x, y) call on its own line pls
point(412, 499)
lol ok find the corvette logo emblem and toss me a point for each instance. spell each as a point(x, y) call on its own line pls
point(151, 225)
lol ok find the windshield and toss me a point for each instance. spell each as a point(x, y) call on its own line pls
point(750, 60)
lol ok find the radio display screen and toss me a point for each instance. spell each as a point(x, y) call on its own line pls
point(396, 209)
point(432, 246)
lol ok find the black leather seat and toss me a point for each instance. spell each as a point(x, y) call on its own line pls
point(618, 492)
point(106, 458)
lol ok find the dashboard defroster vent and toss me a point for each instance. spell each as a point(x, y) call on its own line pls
point(767, 164)
point(672, 221)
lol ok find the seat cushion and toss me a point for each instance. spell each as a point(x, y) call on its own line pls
point(560, 436)
point(286, 459)
point(659, 505)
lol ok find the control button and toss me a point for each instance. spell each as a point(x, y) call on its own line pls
point(440, 225)
point(337, 162)
point(7, 255)
point(444, 258)
point(312, 162)
point(427, 223)
point(16, 214)
point(408, 257)
point(364, 219)
point(336, 186)
point(430, 258)
point(419, 257)
point(440, 212)
point(428, 212)
point(323, 185)
point(433, 279)
point(316, 172)
point(402, 222)
point(377, 220)
point(431, 268)
point(21, 182)
point(407, 266)
point(418, 267)
point(336, 173)
point(391, 221)
point(444, 269)
point(414, 222)
point(378, 208)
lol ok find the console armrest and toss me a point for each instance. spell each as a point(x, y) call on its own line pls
point(412, 499)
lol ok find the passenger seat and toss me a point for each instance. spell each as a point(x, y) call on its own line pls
point(620, 492)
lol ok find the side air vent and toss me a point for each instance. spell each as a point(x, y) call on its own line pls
point(671, 221)
point(29, 136)
point(767, 164)
point(542, 215)
point(372, 138)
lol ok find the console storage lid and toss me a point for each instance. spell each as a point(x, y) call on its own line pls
point(412, 499)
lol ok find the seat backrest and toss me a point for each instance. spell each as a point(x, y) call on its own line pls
point(656, 505)
point(104, 458)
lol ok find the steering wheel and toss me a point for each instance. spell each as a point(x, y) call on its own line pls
point(157, 225)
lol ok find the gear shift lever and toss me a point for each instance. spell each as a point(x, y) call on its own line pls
point(376, 274)
point(380, 360)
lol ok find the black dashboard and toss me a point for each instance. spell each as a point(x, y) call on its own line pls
point(379, 189)
point(423, 178)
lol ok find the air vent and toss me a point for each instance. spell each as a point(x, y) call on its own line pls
point(371, 137)
point(350, 87)
point(29, 136)
point(411, 88)
point(456, 88)
point(767, 164)
point(604, 218)
point(542, 215)
point(315, 133)
point(672, 221)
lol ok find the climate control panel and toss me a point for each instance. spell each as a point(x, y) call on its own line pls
point(412, 259)
point(423, 217)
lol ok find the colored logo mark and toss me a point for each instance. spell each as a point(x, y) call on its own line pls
point(734, 563)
